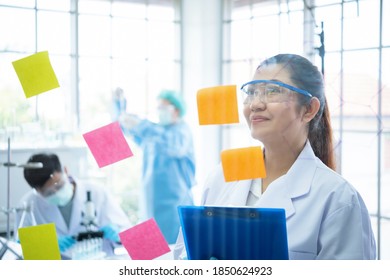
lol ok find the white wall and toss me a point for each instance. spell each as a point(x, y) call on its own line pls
point(202, 67)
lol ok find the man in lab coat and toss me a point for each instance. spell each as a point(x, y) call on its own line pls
point(57, 198)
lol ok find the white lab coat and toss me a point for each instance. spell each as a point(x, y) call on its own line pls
point(326, 217)
point(108, 210)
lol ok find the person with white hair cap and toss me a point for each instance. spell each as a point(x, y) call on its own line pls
point(168, 161)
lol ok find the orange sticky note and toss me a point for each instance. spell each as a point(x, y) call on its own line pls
point(243, 164)
point(217, 105)
point(36, 74)
point(39, 242)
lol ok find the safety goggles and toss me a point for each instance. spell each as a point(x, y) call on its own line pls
point(269, 91)
point(53, 188)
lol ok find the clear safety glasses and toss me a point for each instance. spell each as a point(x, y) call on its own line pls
point(269, 91)
point(53, 188)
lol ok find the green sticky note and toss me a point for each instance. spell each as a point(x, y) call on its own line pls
point(39, 242)
point(36, 74)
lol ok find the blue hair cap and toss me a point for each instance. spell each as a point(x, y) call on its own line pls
point(175, 99)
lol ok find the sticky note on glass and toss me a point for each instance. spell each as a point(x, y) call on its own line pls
point(243, 164)
point(108, 144)
point(39, 242)
point(36, 74)
point(217, 105)
point(144, 241)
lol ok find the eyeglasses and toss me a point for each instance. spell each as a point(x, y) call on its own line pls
point(269, 91)
point(52, 189)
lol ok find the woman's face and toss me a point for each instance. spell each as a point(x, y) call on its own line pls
point(275, 122)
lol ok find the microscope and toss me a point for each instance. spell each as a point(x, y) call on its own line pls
point(89, 221)
point(90, 243)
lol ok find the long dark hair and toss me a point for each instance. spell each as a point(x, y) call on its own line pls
point(306, 76)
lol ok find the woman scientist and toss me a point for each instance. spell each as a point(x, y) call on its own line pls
point(286, 110)
point(168, 162)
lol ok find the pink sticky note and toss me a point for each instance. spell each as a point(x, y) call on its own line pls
point(108, 144)
point(144, 241)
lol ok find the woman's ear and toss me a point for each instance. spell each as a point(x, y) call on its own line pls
point(311, 110)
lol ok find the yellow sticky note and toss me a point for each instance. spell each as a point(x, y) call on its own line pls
point(243, 164)
point(39, 242)
point(217, 105)
point(36, 74)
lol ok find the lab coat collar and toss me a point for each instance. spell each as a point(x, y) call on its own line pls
point(53, 211)
point(233, 193)
point(77, 208)
point(301, 173)
point(295, 183)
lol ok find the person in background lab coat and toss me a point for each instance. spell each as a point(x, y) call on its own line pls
point(57, 198)
point(286, 110)
point(168, 173)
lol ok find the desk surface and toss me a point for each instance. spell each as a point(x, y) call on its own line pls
point(120, 253)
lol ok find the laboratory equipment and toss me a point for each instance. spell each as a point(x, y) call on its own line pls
point(89, 214)
point(90, 243)
point(10, 250)
point(90, 248)
point(8, 209)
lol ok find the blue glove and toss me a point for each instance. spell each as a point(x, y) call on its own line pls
point(110, 232)
point(65, 242)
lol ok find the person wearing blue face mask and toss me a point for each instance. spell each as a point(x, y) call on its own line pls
point(168, 162)
point(57, 198)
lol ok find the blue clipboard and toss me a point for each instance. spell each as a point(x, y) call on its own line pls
point(234, 233)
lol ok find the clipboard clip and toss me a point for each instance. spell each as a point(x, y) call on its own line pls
point(231, 212)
